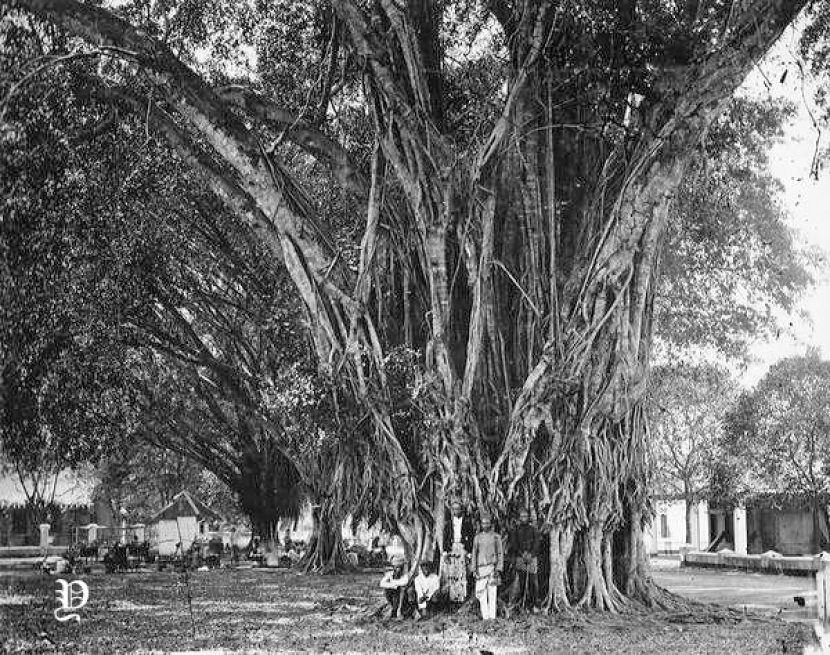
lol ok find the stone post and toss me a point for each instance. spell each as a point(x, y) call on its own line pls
point(823, 588)
point(739, 530)
point(123, 537)
point(703, 537)
point(44, 537)
point(92, 533)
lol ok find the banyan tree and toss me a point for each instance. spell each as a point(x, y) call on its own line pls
point(505, 206)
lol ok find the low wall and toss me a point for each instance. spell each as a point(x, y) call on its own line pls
point(803, 565)
point(29, 551)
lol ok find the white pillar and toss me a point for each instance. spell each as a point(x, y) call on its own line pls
point(44, 536)
point(92, 533)
point(823, 588)
point(123, 537)
point(739, 530)
point(703, 525)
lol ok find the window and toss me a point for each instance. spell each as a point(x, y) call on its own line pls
point(664, 526)
point(18, 520)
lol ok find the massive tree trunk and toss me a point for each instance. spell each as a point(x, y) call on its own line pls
point(534, 252)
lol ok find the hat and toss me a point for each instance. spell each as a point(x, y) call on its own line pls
point(486, 518)
point(398, 560)
point(456, 503)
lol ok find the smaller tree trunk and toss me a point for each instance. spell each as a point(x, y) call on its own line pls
point(325, 553)
point(690, 518)
point(267, 530)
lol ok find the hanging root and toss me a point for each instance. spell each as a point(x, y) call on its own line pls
point(599, 591)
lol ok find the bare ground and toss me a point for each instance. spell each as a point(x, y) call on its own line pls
point(275, 610)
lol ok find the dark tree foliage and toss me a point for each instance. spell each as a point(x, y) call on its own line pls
point(98, 266)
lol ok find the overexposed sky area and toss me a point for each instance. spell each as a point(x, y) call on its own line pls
point(806, 199)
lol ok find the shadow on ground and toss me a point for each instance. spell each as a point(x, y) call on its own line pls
point(275, 610)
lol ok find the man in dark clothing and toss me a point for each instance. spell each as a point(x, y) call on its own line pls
point(524, 548)
point(458, 526)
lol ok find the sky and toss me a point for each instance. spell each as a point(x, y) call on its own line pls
point(807, 200)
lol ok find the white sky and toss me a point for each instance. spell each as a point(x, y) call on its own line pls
point(806, 199)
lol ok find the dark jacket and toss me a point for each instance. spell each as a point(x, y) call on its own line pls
point(524, 538)
point(468, 533)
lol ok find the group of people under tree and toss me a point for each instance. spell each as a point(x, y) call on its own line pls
point(471, 562)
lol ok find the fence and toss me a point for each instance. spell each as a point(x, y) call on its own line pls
point(18, 528)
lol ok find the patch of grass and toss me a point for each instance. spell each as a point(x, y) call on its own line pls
point(275, 610)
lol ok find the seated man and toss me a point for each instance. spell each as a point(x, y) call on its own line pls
point(426, 585)
point(398, 589)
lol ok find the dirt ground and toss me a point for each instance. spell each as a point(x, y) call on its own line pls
point(276, 610)
point(761, 592)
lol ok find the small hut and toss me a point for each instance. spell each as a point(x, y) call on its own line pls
point(182, 521)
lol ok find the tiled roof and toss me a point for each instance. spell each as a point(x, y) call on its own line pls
point(186, 505)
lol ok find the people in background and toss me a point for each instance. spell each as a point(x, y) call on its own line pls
point(524, 548)
point(487, 565)
point(397, 588)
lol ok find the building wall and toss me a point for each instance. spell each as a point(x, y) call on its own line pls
point(667, 531)
point(18, 529)
point(789, 532)
point(169, 532)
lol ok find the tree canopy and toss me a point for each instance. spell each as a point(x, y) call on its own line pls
point(779, 430)
point(730, 264)
point(688, 404)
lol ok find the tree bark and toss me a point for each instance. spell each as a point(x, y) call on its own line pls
point(325, 553)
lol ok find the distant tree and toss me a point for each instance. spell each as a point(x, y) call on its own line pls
point(779, 435)
point(143, 479)
point(61, 381)
point(687, 404)
point(730, 260)
point(98, 293)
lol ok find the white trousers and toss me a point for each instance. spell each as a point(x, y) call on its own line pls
point(486, 595)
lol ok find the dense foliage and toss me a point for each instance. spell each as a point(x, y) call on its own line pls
point(780, 429)
point(731, 266)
